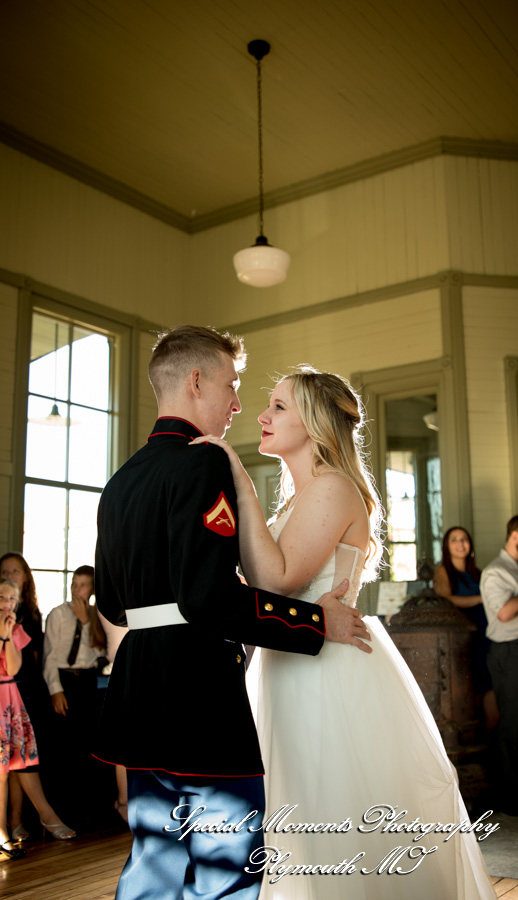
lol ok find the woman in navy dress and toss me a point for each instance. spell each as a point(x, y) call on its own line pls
point(458, 579)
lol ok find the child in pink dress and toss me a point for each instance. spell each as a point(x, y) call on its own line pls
point(18, 748)
point(17, 743)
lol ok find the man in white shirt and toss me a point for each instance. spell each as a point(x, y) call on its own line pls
point(74, 641)
point(499, 589)
point(64, 624)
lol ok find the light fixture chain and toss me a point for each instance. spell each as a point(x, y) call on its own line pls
point(260, 138)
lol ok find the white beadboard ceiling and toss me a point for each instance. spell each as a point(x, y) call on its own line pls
point(160, 95)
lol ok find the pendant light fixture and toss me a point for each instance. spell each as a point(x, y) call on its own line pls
point(261, 265)
point(54, 418)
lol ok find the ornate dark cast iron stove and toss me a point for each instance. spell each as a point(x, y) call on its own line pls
point(434, 638)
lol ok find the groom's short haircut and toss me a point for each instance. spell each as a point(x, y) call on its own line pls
point(186, 347)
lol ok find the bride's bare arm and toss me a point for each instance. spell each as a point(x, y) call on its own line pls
point(323, 512)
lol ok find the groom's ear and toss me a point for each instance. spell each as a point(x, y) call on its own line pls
point(194, 383)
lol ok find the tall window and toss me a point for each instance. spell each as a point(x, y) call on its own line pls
point(69, 430)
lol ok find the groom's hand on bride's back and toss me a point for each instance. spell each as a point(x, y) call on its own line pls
point(344, 625)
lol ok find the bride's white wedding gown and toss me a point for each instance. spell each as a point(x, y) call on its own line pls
point(346, 732)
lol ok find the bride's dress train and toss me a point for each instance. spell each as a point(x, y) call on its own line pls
point(347, 736)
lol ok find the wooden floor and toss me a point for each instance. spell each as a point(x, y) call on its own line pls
point(88, 868)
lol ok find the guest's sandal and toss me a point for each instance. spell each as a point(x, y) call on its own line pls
point(58, 831)
point(11, 851)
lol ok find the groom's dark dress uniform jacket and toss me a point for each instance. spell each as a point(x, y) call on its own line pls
point(176, 699)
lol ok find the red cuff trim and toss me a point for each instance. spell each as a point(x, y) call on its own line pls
point(284, 622)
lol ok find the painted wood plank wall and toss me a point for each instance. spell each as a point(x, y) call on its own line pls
point(433, 215)
point(147, 408)
point(382, 230)
point(8, 308)
point(482, 221)
point(437, 214)
point(386, 333)
point(72, 237)
point(491, 333)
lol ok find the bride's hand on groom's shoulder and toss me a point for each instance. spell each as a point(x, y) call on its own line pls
point(344, 624)
point(212, 439)
point(241, 478)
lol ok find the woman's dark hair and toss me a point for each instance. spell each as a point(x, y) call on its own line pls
point(28, 592)
point(452, 572)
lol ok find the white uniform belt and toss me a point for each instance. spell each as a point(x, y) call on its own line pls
point(155, 616)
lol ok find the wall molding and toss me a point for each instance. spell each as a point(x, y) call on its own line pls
point(440, 146)
point(387, 292)
point(23, 282)
point(511, 395)
point(456, 477)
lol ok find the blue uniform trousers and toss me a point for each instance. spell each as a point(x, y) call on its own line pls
point(170, 860)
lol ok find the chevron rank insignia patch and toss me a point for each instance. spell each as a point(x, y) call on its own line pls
point(220, 517)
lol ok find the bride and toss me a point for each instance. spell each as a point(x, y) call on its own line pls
point(361, 799)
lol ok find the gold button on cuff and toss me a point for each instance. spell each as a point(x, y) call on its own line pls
point(238, 657)
point(315, 617)
point(293, 611)
point(268, 607)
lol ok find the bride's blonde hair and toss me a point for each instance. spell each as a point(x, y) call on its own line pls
point(333, 415)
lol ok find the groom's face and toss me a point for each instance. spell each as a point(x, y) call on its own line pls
point(219, 386)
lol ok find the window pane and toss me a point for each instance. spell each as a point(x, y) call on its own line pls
point(50, 588)
point(46, 442)
point(433, 467)
point(413, 482)
point(88, 456)
point(82, 528)
point(45, 518)
point(403, 562)
point(400, 503)
point(90, 369)
point(70, 364)
point(48, 370)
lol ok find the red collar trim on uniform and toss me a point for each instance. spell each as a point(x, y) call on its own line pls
point(177, 433)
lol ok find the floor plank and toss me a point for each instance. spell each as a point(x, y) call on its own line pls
point(506, 888)
point(88, 868)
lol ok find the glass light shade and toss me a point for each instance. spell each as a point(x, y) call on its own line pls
point(431, 420)
point(261, 265)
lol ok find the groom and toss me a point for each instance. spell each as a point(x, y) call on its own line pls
point(177, 713)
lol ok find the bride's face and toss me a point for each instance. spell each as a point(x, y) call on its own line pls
point(282, 429)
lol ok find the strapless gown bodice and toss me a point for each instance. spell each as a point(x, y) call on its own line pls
point(346, 561)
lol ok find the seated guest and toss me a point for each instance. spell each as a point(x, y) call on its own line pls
point(74, 642)
point(458, 579)
point(499, 586)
